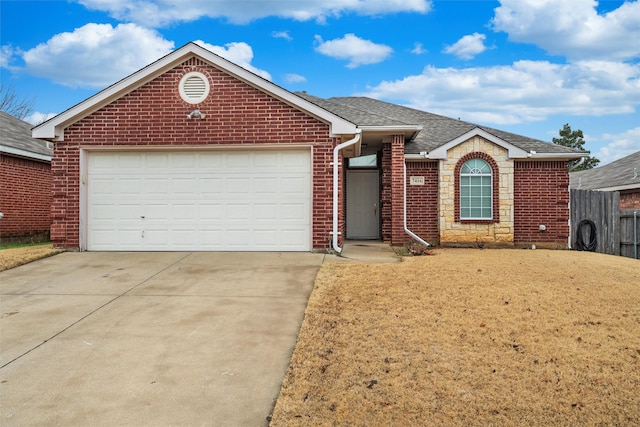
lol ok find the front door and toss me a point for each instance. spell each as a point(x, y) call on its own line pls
point(363, 204)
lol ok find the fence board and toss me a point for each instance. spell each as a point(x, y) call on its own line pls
point(628, 241)
point(603, 208)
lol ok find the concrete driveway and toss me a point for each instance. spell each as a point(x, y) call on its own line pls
point(140, 339)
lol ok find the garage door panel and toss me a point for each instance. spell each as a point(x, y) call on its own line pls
point(294, 211)
point(155, 185)
point(295, 185)
point(199, 200)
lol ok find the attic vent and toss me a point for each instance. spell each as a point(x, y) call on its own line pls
point(194, 87)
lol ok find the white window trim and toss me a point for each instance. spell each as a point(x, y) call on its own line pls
point(490, 175)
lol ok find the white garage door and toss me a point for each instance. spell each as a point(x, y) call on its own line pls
point(207, 201)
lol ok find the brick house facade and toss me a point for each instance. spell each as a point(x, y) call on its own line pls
point(146, 119)
point(25, 183)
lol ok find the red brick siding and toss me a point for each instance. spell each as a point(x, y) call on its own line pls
point(630, 200)
point(385, 193)
point(422, 201)
point(541, 196)
point(495, 181)
point(397, 190)
point(25, 197)
point(155, 115)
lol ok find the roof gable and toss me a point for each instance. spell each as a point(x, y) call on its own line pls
point(53, 129)
point(513, 151)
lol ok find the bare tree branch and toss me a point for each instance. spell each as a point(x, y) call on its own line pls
point(10, 104)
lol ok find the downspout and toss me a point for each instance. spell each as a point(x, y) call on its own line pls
point(577, 165)
point(336, 150)
point(406, 229)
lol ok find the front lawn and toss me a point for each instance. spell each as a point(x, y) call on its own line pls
point(15, 255)
point(469, 337)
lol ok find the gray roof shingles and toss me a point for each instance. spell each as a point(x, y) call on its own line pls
point(15, 133)
point(622, 172)
point(436, 130)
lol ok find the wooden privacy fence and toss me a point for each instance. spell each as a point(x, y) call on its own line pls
point(598, 224)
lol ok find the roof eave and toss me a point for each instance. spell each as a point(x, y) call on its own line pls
point(409, 131)
point(24, 153)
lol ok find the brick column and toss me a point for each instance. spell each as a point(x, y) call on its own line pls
point(397, 190)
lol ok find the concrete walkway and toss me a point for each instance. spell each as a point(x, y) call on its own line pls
point(149, 339)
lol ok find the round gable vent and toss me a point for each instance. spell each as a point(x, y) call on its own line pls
point(194, 87)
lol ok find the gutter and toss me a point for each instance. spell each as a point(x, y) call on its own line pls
point(406, 229)
point(336, 150)
point(24, 153)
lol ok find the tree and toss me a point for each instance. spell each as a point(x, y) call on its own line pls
point(574, 139)
point(10, 104)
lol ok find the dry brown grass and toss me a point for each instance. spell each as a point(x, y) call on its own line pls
point(469, 337)
point(14, 257)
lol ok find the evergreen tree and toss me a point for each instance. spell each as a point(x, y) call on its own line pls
point(574, 139)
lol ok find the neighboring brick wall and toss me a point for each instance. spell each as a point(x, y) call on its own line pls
point(25, 199)
point(155, 115)
point(630, 199)
point(541, 198)
point(422, 201)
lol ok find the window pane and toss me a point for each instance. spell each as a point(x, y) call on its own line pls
point(370, 161)
point(464, 191)
point(486, 213)
point(475, 191)
point(475, 212)
point(475, 202)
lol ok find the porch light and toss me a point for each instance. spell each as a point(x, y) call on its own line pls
point(197, 114)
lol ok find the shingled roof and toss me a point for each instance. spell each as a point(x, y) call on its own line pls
point(623, 174)
point(15, 139)
point(436, 130)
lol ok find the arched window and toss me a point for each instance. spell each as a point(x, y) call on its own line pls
point(476, 190)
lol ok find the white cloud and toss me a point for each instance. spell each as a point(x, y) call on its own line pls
point(239, 53)
point(157, 13)
point(295, 78)
point(468, 46)
point(282, 35)
point(572, 28)
point(418, 49)
point(525, 91)
point(95, 55)
point(618, 145)
point(353, 49)
point(36, 118)
point(6, 55)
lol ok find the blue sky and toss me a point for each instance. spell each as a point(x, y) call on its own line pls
point(525, 66)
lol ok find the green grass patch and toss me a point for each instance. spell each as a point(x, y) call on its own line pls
point(23, 245)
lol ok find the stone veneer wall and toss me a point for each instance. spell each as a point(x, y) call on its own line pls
point(499, 231)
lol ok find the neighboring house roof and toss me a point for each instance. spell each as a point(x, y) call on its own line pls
point(436, 131)
point(623, 174)
point(16, 139)
point(53, 129)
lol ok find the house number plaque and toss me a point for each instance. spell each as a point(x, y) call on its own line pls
point(416, 180)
